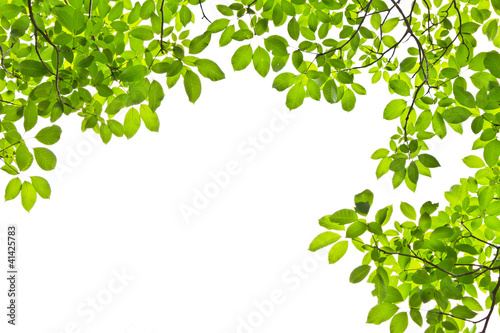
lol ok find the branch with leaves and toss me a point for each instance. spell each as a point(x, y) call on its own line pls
point(96, 60)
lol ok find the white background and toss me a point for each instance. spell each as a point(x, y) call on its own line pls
point(115, 208)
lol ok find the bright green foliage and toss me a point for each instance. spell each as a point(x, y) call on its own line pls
point(95, 59)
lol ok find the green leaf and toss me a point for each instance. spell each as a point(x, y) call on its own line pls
point(399, 323)
point(420, 277)
point(32, 68)
point(13, 188)
point(496, 5)
point(473, 161)
point(49, 135)
point(394, 109)
point(408, 211)
point(322, 240)
point(381, 312)
point(485, 196)
point(337, 251)
point(400, 87)
point(492, 152)
point(218, 25)
point(185, 15)
point(192, 85)
point(143, 33)
point(115, 127)
point(283, 81)
point(133, 73)
point(23, 157)
point(492, 63)
point(30, 116)
point(224, 10)
point(389, 25)
point(363, 202)
point(492, 222)
point(356, 229)
point(13, 137)
point(463, 97)
point(45, 158)
point(348, 100)
point(344, 216)
point(463, 312)
point(65, 16)
point(313, 90)
point(199, 43)
point(293, 29)
point(105, 133)
point(383, 167)
point(261, 61)
point(28, 196)
point(416, 316)
point(359, 89)
point(472, 304)
point(277, 45)
point(359, 273)
point(9, 11)
point(428, 161)
point(150, 118)
point(295, 96)
point(413, 172)
point(407, 64)
point(456, 115)
point(330, 91)
point(41, 186)
point(242, 57)
point(380, 153)
point(227, 36)
point(210, 69)
point(131, 123)
point(438, 125)
point(156, 95)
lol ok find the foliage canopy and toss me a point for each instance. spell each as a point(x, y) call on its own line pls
point(102, 60)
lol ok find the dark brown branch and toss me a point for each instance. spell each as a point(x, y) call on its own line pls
point(353, 35)
point(48, 40)
point(203, 12)
point(493, 301)
point(2, 62)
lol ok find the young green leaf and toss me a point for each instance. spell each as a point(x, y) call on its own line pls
point(45, 159)
point(322, 240)
point(359, 273)
point(210, 69)
point(381, 312)
point(348, 100)
point(192, 85)
point(344, 216)
point(399, 323)
point(472, 161)
point(13, 189)
point(156, 95)
point(149, 118)
point(42, 187)
point(456, 115)
point(356, 229)
point(428, 161)
point(131, 123)
point(337, 251)
point(28, 196)
point(492, 152)
point(295, 96)
point(242, 57)
point(23, 157)
point(408, 211)
point(261, 61)
point(394, 109)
